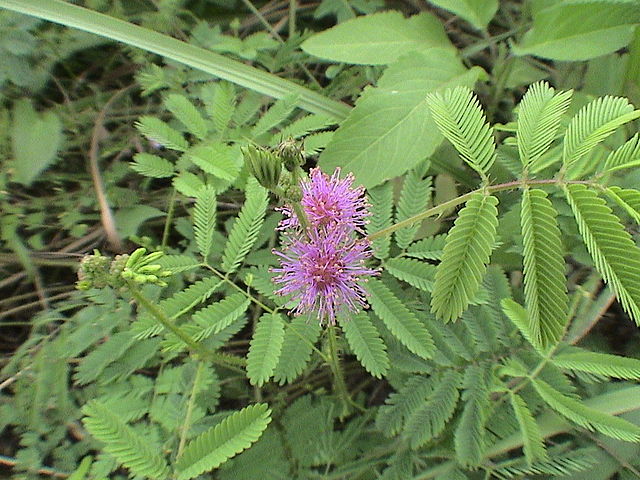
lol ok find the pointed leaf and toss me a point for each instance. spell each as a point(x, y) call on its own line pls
point(533, 446)
point(366, 343)
point(265, 348)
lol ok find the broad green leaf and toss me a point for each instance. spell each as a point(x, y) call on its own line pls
point(400, 321)
point(228, 438)
point(614, 253)
point(366, 343)
point(265, 348)
point(378, 39)
point(545, 288)
point(586, 417)
point(466, 255)
point(580, 29)
point(35, 140)
point(372, 141)
point(477, 12)
point(539, 116)
point(533, 442)
point(461, 120)
point(600, 364)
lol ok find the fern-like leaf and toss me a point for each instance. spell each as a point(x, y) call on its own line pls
point(558, 464)
point(187, 113)
point(533, 443)
point(519, 317)
point(430, 248)
point(466, 254)
point(470, 435)
point(400, 321)
point(545, 287)
point(592, 124)
point(366, 343)
point(299, 337)
point(104, 354)
point(152, 166)
point(218, 444)
point(628, 199)
point(204, 220)
point(130, 449)
point(265, 348)
point(414, 197)
point(587, 417)
point(614, 253)
point(628, 155)
point(381, 198)
point(303, 126)
point(401, 404)
point(217, 159)
point(414, 272)
point(461, 120)
point(600, 364)
point(158, 131)
point(220, 102)
point(277, 113)
point(539, 115)
point(246, 228)
point(430, 419)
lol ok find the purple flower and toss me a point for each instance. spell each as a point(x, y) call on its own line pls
point(324, 271)
point(323, 268)
point(330, 202)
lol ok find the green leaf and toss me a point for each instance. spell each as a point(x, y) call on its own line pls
point(592, 28)
point(600, 364)
point(477, 12)
point(277, 113)
point(539, 116)
point(519, 317)
point(378, 39)
point(461, 120)
point(372, 141)
point(246, 227)
point(109, 351)
point(204, 220)
point(401, 404)
point(431, 418)
point(400, 321)
point(152, 166)
point(592, 124)
point(155, 129)
point(220, 103)
point(628, 199)
point(130, 449)
point(414, 197)
point(586, 417)
point(466, 254)
point(299, 337)
point(562, 463)
point(221, 160)
point(366, 343)
point(626, 156)
point(265, 348)
point(381, 199)
point(430, 248)
point(228, 438)
point(545, 288)
point(414, 272)
point(469, 438)
point(187, 113)
point(35, 141)
point(614, 253)
point(533, 442)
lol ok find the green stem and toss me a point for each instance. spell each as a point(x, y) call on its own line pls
point(167, 223)
point(339, 385)
point(443, 207)
point(225, 360)
point(184, 429)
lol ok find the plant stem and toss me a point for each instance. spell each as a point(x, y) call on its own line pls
point(225, 360)
point(167, 223)
point(339, 384)
point(439, 209)
point(184, 429)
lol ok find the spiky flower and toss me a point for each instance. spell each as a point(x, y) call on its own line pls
point(330, 202)
point(323, 268)
point(324, 273)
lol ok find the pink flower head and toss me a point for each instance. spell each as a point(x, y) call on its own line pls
point(330, 202)
point(324, 273)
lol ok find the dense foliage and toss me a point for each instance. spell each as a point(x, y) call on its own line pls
point(158, 159)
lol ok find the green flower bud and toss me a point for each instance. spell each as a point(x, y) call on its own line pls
point(291, 154)
point(293, 194)
point(263, 165)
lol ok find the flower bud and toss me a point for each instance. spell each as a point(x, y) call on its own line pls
point(291, 154)
point(263, 165)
